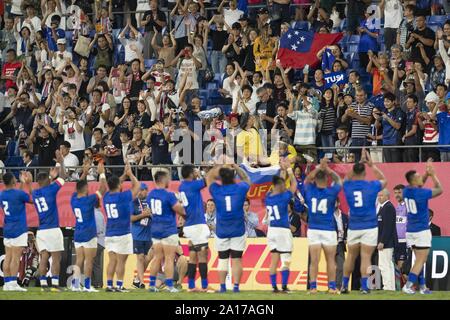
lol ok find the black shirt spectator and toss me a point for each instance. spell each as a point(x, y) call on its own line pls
point(160, 16)
point(46, 148)
point(424, 37)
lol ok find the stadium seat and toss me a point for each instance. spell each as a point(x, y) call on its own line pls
point(436, 20)
point(149, 63)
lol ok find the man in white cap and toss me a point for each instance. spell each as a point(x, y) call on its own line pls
point(429, 127)
point(61, 56)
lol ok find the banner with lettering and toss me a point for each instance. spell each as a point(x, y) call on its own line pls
point(334, 78)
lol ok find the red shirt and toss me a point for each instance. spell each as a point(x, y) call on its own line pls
point(8, 70)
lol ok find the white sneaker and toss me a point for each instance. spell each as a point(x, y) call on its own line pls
point(89, 290)
point(7, 286)
point(408, 290)
point(173, 290)
point(425, 290)
point(75, 289)
point(15, 287)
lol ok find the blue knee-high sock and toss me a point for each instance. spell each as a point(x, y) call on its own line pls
point(119, 283)
point(7, 279)
point(332, 285)
point(421, 278)
point(412, 279)
point(364, 283)
point(284, 277)
point(152, 281)
point(273, 280)
point(109, 283)
point(169, 283)
point(205, 283)
point(345, 281)
point(191, 283)
point(223, 287)
point(313, 285)
point(87, 283)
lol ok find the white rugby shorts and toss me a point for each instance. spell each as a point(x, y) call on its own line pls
point(50, 240)
point(280, 239)
point(368, 237)
point(120, 244)
point(322, 237)
point(20, 241)
point(197, 233)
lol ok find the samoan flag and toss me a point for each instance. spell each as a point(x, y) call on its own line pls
point(327, 60)
point(299, 48)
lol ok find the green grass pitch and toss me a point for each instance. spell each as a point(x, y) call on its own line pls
point(36, 294)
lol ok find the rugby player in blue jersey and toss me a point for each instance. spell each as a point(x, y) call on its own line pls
point(418, 234)
point(362, 235)
point(85, 237)
point(321, 200)
point(15, 236)
point(229, 197)
point(279, 235)
point(164, 206)
point(141, 231)
point(49, 237)
point(118, 239)
point(195, 228)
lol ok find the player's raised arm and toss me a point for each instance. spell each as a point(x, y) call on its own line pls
point(334, 176)
point(312, 174)
point(377, 172)
point(212, 174)
point(60, 162)
point(437, 189)
point(103, 186)
point(26, 180)
point(241, 173)
point(179, 209)
point(134, 181)
point(285, 164)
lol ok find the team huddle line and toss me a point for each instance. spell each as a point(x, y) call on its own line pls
point(155, 233)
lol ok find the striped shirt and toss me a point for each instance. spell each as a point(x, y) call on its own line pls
point(305, 129)
point(360, 130)
point(430, 134)
point(328, 116)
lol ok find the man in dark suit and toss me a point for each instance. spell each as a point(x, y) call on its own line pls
point(387, 239)
point(435, 230)
point(341, 229)
point(29, 162)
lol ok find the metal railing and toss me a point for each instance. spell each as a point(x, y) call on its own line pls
point(349, 149)
point(136, 167)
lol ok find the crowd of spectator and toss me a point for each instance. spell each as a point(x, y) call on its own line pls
point(101, 81)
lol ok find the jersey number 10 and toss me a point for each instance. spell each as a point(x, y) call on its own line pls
point(411, 206)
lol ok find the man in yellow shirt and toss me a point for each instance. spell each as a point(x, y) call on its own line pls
point(248, 143)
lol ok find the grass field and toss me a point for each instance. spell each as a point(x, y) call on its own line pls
point(36, 294)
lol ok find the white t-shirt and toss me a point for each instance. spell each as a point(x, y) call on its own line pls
point(393, 13)
point(75, 138)
point(58, 62)
point(35, 21)
point(130, 55)
point(232, 88)
point(71, 160)
point(232, 16)
point(188, 65)
point(101, 123)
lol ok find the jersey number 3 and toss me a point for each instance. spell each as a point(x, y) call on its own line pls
point(358, 199)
